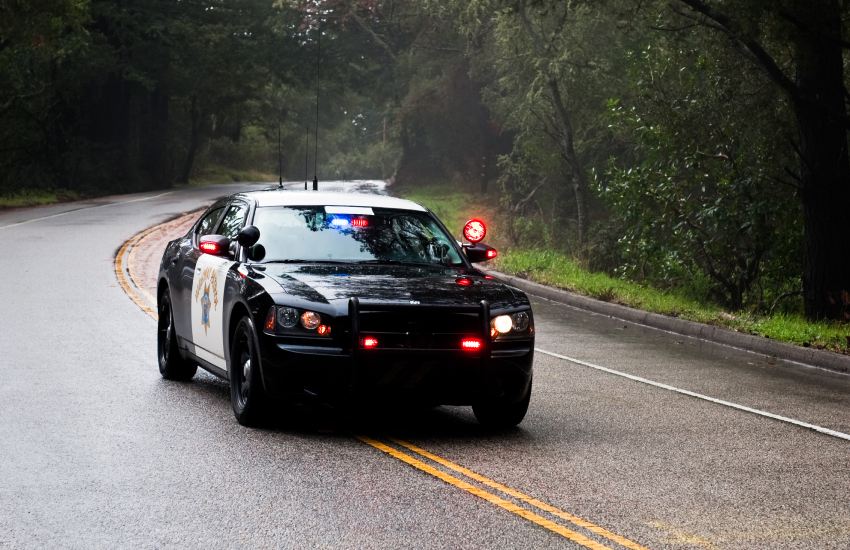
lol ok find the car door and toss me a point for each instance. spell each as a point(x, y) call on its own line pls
point(207, 298)
point(185, 262)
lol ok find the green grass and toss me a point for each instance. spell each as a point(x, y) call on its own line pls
point(556, 269)
point(453, 206)
point(36, 197)
point(214, 173)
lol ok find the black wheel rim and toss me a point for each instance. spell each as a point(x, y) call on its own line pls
point(165, 331)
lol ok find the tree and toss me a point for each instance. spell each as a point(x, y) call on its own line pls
point(817, 95)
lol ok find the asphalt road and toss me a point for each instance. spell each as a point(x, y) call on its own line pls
point(96, 450)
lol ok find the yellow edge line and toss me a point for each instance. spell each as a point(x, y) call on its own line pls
point(580, 522)
point(122, 277)
point(489, 497)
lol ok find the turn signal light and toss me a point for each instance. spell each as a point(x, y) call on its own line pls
point(369, 342)
point(471, 344)
point(270, 318)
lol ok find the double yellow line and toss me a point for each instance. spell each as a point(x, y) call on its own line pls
point(417, 457)
point(499, 501)
point(125, 278)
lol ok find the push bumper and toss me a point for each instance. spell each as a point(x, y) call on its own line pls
point(451, 377)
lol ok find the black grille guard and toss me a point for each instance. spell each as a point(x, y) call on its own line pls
point(356, 306)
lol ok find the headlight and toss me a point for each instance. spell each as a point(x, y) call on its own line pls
point(287, 317)
point(512, 325)
point(520, 321)
point(310, 320)
point(503, 324)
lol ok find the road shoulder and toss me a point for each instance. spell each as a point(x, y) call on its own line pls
point(756, 344)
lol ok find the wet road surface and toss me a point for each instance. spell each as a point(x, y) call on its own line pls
point(99, 451)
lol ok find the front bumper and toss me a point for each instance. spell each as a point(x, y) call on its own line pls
point(434, 376)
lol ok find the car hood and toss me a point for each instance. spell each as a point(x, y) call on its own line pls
point(335, 284)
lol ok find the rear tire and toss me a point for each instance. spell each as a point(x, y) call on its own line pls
point(172, 366)
point(499, 413)
point(247, 394)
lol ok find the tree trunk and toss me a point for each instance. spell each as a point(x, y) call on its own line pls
point(568, 152)
point(824, 163)
point(194, 140)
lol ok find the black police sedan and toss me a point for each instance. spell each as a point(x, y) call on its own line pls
point(339, 295)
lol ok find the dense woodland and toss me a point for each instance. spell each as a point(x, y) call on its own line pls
point(686, 143)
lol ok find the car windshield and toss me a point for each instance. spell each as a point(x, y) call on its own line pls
point(352, 234)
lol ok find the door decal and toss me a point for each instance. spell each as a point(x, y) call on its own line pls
point(206, 293)
point(207, 301)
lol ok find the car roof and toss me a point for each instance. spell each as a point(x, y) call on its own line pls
point(283, 197)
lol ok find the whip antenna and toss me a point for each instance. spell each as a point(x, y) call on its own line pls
point(279, 159)
point(316, 144)
point(306, 157)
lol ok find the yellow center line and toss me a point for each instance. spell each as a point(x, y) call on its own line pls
point(125, 283)
point(581, 522)
point(489, 497)
point(135, 242)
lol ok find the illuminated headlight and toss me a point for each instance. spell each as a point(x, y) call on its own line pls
point(503, 324)
point(287, 317)
point(310, 320)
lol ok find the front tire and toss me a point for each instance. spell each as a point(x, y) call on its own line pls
point(247, 394)
point(172, 366)
point(500, 413)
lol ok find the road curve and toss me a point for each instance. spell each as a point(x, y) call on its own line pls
point(98, 451)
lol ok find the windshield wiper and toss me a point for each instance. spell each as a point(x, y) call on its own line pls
point(399, 262)
point(300, 261)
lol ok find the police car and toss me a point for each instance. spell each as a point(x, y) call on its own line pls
point(339, 295)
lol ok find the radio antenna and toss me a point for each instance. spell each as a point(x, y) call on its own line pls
point(316, 144)
point(279, 159)
point(306, 157)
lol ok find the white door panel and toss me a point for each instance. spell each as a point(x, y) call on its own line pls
point(208, 308)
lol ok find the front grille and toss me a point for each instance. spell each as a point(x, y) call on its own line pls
point(416, 327)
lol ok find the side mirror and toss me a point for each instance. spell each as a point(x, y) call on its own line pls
point(216, 245)
point(479, 252)
point(248, 236)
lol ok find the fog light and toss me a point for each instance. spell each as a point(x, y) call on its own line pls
point(503, 324)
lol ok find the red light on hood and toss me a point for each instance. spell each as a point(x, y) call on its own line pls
point(474, 231)
point(471, 344)
point(209, 247)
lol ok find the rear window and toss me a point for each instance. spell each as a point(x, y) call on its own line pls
point(355, 234)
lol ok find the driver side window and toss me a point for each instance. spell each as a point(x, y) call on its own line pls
point(208, 223)
point(233, 220)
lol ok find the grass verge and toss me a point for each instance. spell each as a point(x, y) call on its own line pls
point(36, 197)
point(556, 269)
point(215, 173)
